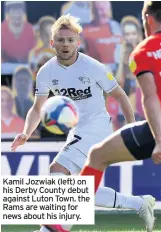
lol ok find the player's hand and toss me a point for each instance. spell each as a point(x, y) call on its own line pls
point(19, 140)
point(156, 155)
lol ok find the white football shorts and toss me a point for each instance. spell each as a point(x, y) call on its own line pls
point(74, 153)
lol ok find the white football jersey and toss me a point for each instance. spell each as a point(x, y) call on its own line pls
point(84, 82)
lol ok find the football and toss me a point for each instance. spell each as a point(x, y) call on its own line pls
point(59, 114)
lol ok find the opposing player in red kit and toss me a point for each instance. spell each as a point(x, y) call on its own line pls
point(140, 140)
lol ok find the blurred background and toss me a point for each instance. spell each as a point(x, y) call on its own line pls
point(111, 30)
point(26, 31)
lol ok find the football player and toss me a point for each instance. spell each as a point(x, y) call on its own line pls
point(84, 80)
point(140, 140)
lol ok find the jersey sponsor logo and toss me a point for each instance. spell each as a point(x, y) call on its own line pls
point(84, 80)
point(155, 54)
point(110, 76)
point(132, 65)
point(75, 94)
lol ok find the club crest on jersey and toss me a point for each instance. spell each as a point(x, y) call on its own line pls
point(110, 76)
point(55, 82)
point(132, 65)
point(84, 80)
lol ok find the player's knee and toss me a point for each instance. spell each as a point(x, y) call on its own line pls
point(95, 155)
point(98, 157)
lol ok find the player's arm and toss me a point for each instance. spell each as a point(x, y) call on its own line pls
point(31, 123)
point(110, 86)
point(33, 116)
point(142, 67)
point(119, 94)
point(41, 95)
point(151, 104)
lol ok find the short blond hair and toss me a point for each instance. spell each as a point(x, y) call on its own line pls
point(66, 21)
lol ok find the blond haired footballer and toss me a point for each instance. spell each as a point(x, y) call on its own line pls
point(84, 80)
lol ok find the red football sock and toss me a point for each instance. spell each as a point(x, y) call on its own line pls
point(89, 171)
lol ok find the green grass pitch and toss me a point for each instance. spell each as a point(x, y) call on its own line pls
point(105, 222)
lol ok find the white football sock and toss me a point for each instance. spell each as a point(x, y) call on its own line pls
point(128, 202)
point(107, 197)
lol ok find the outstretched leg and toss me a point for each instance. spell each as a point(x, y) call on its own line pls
point(133, 142)
point(109, 151)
